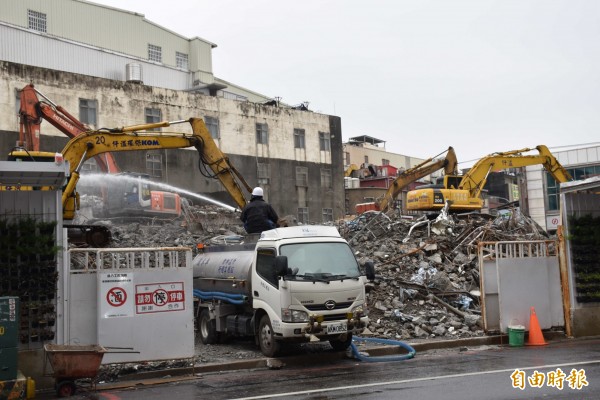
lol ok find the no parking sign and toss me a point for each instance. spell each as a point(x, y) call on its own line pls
point(159, 297)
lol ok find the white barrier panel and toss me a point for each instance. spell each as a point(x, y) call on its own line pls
point(140, 301)
point(516, 276)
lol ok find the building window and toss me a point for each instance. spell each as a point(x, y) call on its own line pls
point(385, 162)
point(552, 187)
point(302, 176)
point(181, 60)
point(88, 110)
point(263, 173)
point(303, 215)
point(324, 141)
point(299, 139)
point(366, 160)
point(262, 134)
point(36, 21)
point(326, 178)
point(154, 165)
point(153, 115)
point(327, 215)
point(154, 53)
point(346, 158)
point(212, 124)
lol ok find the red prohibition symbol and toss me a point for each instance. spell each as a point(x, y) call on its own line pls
point(116, 297)
point(160, 297)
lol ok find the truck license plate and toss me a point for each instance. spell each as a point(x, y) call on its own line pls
point(340, 327)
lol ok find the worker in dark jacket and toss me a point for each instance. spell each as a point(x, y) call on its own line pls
point(258, 215)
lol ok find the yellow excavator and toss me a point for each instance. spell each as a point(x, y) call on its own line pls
point(137, 138)
point(464, 192)
point(449, 163)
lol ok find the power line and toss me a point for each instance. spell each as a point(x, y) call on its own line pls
point(576, 147)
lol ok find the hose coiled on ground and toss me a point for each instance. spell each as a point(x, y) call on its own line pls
point(362, 357)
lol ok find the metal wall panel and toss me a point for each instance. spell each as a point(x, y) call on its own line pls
point(51, 53)
point(106, 27)
point(516, 276)
point(92, 317)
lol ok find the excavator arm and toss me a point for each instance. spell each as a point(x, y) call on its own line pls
point(135, 138)
point(449, 163)
point(31, 113)
point(351, 168)
point(467, 196)
point(474, 180)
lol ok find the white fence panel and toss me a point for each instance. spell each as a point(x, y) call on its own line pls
point(516, 276)
point(139, 302)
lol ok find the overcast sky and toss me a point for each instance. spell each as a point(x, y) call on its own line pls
point(480, 75)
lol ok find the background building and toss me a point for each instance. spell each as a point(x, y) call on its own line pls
point(376, 170)
point(541, 192)
point(115, 68)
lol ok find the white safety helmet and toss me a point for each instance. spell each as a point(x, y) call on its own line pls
point(257, 192)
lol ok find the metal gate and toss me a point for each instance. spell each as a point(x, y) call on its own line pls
point(137, 299)
point(516, 276)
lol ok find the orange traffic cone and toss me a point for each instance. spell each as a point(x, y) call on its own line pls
point(535, 332)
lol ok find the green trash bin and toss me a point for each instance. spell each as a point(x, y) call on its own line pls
point(516, 335)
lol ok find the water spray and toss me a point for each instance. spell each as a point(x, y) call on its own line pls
point(111, 177)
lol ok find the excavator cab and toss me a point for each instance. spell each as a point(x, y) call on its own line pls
point(130, 194)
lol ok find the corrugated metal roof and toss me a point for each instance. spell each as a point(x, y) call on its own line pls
point(592, 183)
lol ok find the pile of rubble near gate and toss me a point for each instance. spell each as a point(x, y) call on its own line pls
point(427, 271)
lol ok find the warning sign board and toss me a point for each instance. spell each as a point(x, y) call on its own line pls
point(159, 297)
point(115, 290)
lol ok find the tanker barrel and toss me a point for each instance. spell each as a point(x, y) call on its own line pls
point(228, 272)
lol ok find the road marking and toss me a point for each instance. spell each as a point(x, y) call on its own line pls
point(550, 366)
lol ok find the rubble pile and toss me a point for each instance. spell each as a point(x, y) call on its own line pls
point(208, 224)
point(427, 271)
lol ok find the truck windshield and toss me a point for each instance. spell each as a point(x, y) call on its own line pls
point(320, 260)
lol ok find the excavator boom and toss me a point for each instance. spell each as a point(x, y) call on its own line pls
point(31, 112)
point(93, 143)
point(449, 163)
point(136, 138)
point(467, 195)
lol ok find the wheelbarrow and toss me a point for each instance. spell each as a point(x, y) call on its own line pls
point(73, 362)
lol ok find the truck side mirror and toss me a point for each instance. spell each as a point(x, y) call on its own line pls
point(370, 270)
point(281, 265)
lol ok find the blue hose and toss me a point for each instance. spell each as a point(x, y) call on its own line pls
point(362, 357)
point(237, 299)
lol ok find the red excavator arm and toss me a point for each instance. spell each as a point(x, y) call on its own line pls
point(31, 113)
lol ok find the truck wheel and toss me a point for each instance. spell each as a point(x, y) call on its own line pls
point(66, 389)
point(266, 338)
point(207, 328)
point(341, 345)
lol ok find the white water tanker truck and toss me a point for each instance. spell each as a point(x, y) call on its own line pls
point(294, 284)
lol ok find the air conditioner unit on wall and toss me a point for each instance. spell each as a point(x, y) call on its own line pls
point(133, 73)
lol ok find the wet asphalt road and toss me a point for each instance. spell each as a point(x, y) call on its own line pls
point(480, 373)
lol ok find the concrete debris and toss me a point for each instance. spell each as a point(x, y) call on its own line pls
point(274, 363)
point(427, 273)
point(426, 285)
